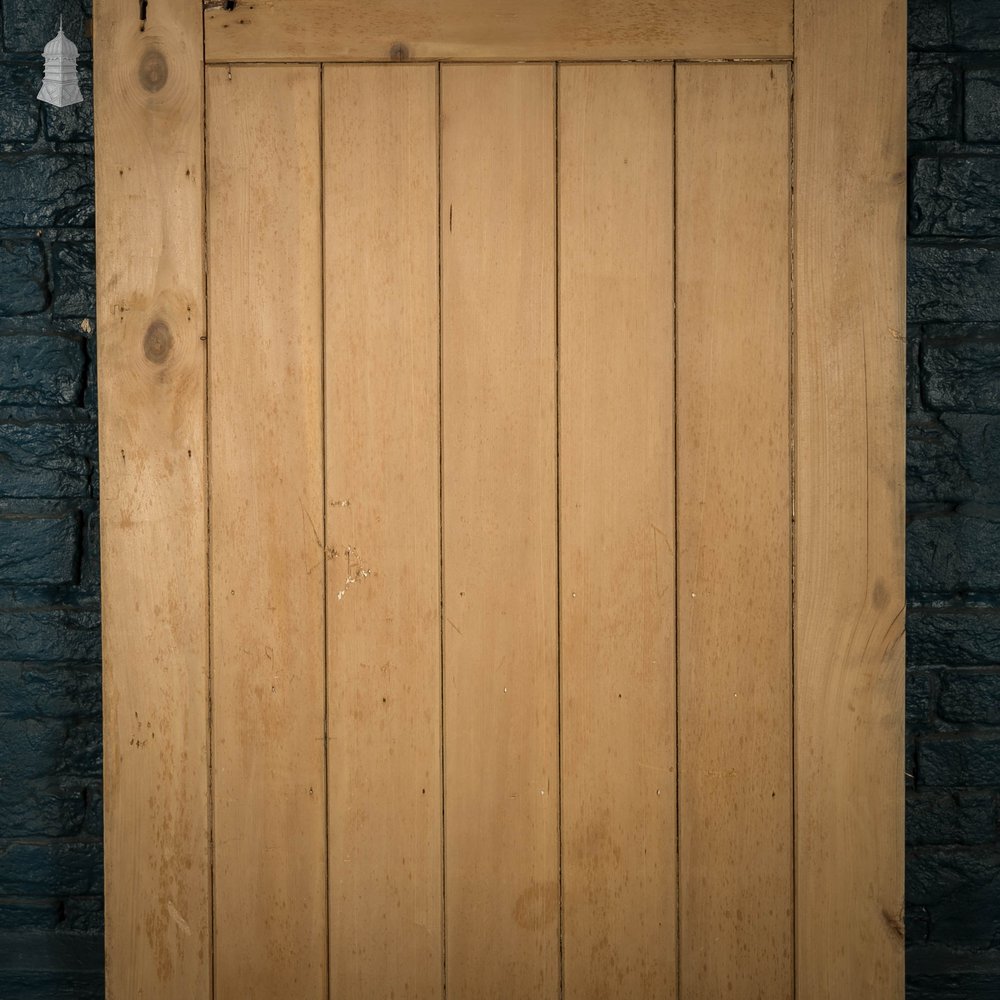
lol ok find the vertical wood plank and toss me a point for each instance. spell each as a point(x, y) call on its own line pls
point(266, 462)
point(383, 492)
point(499, 505)
point(734, 525)
point(616, 457)
point(154, 587)
point(850, 142)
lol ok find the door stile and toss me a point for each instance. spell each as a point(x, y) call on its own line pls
point(850, 174)
point(149, 110)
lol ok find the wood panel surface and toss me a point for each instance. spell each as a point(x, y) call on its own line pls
point(616, 457)
point(267, 547)
point(850, 136)
point(154, 586)
point(384, 30)
point(734, 526)
point(383, 521)
point(502, 900)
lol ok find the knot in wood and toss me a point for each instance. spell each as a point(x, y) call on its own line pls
point(158, 342)
point(153, 70)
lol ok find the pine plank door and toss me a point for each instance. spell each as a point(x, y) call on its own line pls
point(501, 460)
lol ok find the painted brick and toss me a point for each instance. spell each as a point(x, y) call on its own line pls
point(970, 696)
point(19, 109)
point(959, 760)
point(976, 24)
point(955, 459)
point(46, 807)
point(38, 549)
point(23, 278)
point(40, 369)
point(961, 375)
point(920, 687)
point(50, 636)
point(928, 24)
point(955, 196)
point(965, 636)
point(53, 986)
point(954, 552)
point(953, 284)
point(982, 105)
point(931, 101)
point(29, 24)
point(76, 122)
point(951, 818)
point(36, 749)
point(50, 691)
point(46, 190)
point(53, 868)
point(961, 888)
point(73, 267)
point(44, 459)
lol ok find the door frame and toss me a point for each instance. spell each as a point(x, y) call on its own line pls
point(847, 311)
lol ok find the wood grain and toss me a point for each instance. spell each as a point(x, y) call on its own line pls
point(499, 506)
point(734, 524)
point(383, 517)
point(850, 138)
point(154, 581)
point(394, 30)
point(616, 456)
point(266, 461)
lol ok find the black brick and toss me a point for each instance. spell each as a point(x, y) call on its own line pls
point(969, 636)
point(37, 190)
point(23, 280)
point(29, 690)
point(19, 108)
point(38, 549)
point(36, 749)
point(47, 459)
point(951, 818)
point(928, 24)
point(29, 24)
point(954, 552)
point(920, 688)
point(73, 265)
point(976, 23)
point(955, 459)
point(955, 196)
point(46, 869)
point(959, 760)
point(961, 374)
point(39, 369)
point(971, 696)
point(961, 888)
point(931, 101)
point(49, 807)
point(953, 284)
point(76, 122)
point(50, 636)
point(982, 105)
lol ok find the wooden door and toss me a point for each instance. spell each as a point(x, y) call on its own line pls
point(501, 452)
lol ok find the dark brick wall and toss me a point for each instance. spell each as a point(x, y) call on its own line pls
point(50, 846)
point(50, 751)
point(953, 534)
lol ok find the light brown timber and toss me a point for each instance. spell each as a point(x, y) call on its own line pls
point(383, 518)
point(850, 174)
point(447, 30)
point(154, 585)
point(499, 506)
point(616, 456)
point(734, 525)
point(267, 555)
